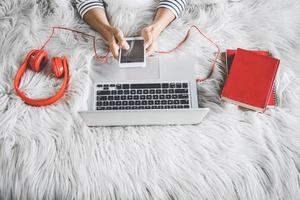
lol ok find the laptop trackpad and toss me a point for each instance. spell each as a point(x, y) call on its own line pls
point(112, 72)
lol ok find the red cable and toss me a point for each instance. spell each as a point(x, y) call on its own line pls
point(184, 40)
point(101, 59)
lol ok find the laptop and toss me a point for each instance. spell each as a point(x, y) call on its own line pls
point(163, 92)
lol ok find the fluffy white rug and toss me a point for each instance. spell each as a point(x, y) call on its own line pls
point(49, 153)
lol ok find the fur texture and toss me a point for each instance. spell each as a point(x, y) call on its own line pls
point(49, 153)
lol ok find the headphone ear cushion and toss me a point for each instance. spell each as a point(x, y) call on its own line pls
point(57, 67)
point(38, 59)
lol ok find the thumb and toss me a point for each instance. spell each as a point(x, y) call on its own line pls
point(146, 33)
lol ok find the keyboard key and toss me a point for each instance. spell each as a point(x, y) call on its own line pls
point(161, 96)
point(158, 91)
point(168, 96)
point(102, 98)
point(178, 85)
point(126, 91)
point(146, 85)
point(165, 85)
point(181, 90)
point(137, 103)
point(113, 92)
point(164, 91)
point(99, 85)
point(184, 85)
point(130, 97)
point(172, 85)
point(183, 96)
point(186, 106)
point(118, 86)
point(118, 103)
point(170, 102)
point(132, 92)
point(155, 96)
point(174, 96)
point(148, 96)
point(103, 92)
point(136, 97)
point(112, 85)
point(131, 103)
point(171, 91)
point(151, 102)
point(157, 102)
point(184, 101)
point(117, 97)
point(105, 103)
point(124, 103)
point(125, 86)
point(123, 97)
point(120, 92)
point(152, 91)
point(145, 91)
point(99, 103)
point(139, 91)
point(110, 98)
point(176, 101)
point(164, 102)
point(144, 102)
point(143, 97)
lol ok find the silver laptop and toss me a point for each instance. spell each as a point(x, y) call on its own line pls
point(163, 92)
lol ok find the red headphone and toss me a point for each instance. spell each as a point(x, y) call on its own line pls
point(36, 60)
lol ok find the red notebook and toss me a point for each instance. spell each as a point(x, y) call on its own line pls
point(230, 53)
point(251, 79)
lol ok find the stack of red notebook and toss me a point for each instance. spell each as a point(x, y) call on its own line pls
point(250, 79)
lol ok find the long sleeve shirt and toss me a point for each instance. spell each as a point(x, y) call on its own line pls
point(176, 6)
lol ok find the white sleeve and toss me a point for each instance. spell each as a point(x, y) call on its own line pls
point(85, 5)
point(176, 6)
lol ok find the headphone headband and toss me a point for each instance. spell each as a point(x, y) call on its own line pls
point(45, 101)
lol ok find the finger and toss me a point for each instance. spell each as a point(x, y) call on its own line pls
point(120, 38)
point(146, 33)
point(151, 49)
point(114, 48)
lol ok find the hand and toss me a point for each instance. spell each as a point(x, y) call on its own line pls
point(163, 18)
point(115, 41)
point(150, 35)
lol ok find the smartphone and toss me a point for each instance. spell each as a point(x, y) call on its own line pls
point(135, 56)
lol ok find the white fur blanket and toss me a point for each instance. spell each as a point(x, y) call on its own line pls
point(49, 153)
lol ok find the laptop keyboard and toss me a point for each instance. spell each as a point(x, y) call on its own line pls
point(137, 96)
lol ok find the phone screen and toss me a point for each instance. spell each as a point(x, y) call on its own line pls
point(135, 53)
